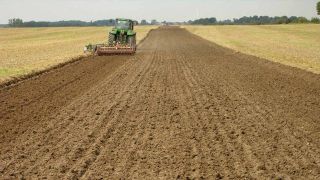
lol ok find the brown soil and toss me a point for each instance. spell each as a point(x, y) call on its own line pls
point(182, 107)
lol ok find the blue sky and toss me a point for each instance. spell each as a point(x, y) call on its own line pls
point(172, 10)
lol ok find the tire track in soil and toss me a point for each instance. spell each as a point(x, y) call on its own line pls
point(115, 123)
point(182, 107)
point(258, 112)
point(225, 139)
point(139, 129)
point(82, 147)
point(201, 99)
point(251, 105)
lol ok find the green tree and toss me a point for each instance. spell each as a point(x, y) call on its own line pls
point(302, 20)
point(144, 22)
point(315, 20)
point(205, 21)
point(318, 8)
point(15, 22)
point(154, 22)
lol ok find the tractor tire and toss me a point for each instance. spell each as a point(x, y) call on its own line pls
point(112, 39)
point(132, 41)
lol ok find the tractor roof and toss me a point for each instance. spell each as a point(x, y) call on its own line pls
point(124, 19)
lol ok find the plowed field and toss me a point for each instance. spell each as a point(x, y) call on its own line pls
point(182, 107)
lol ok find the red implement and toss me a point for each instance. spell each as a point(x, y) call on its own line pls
point(105, 50)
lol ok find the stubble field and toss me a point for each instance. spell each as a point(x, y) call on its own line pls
point(293, 45)
point(24, 50)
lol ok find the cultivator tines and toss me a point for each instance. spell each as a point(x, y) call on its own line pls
point(114, 50)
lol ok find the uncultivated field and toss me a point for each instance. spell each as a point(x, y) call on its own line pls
point(24, 50)
point(293, 45)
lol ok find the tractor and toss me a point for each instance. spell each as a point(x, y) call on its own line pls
point(121, 40)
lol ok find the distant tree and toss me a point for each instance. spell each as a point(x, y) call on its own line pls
point(205, 21)
point(293, 19)
point(154, 22)
point(283, 20)
point(256, 20)
point(318, 8)
point(228, 21)
point(144, 22)
point(315, 20)
point(15, 22)
point(108, 22)
point(302, 20)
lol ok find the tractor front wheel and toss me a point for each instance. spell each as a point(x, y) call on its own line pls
point(112, 39)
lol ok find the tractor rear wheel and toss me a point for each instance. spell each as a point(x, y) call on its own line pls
point(112, 38)
point(132, 41)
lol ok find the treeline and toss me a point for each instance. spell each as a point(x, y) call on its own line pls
point(204, 21)
point(16, 22)
point(153, 22)
point(256, 20)
point(251, 20)
point(274, 20)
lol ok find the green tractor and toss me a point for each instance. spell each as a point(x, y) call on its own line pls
point(121, 40)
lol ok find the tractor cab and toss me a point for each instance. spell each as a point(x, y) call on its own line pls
point(124, 24)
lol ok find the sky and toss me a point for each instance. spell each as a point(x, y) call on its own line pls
point(170, 10)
